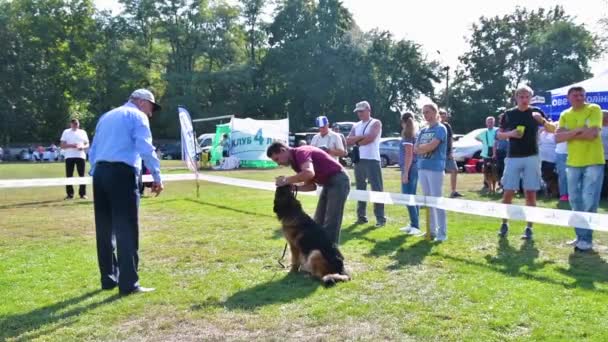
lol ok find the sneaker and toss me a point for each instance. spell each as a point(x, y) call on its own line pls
point(527, 235)
point(564, 198)
point(380, 224)
point(583, 246)
point(68, 198)
point(84, 197)
point(455, 194)
point(504, 230)
point(362, 220)
point(411, 230)
point(572, 242)
point(439, 240)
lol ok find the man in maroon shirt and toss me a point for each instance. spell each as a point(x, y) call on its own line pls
point(314, 166)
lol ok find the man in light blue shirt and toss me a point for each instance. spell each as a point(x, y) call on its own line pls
point(122, 139)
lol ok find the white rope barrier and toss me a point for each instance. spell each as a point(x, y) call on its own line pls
point(556, 217)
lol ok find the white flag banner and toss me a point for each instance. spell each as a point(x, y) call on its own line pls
point(189, 146)
point(250, 138)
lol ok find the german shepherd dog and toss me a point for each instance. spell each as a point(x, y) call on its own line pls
point(311, 249)
point(550, 178)
point(490, 174)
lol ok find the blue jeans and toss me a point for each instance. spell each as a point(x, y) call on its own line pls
point(432, 185)
point(410, 189)
point(584, 187)
point(562, 180)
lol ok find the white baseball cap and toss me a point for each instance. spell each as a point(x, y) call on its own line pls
point(147, 95)
point(363, 105)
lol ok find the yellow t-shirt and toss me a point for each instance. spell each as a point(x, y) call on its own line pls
point(583, 152)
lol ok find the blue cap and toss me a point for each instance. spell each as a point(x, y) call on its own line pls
point(321, 121)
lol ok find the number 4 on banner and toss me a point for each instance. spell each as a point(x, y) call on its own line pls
point(259, 137)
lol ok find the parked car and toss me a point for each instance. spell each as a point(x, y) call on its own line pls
point(467, 147)
point(344, 126)
point(206, 139)
point(171, 151)
point(389, 151)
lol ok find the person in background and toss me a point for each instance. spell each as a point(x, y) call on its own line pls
point(450, 163)
point(580, 126)
point(225, 143)
point(561, 155)
point(365, 135)
point(1, 154)
point(315, 167)
point(520, 126)
point(500, 152)
point(487, 138)
point(74, 142)
point(546, 151)
point(431, 151)
point(409, 170)
point(605, 143)
point(122, 140)
point(336, 129)
point(327, 140)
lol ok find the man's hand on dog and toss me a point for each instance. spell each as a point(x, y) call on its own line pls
point(281, 181)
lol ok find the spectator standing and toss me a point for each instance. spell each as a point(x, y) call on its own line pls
point(500, 152)
point(450, 164)
point(546, 151)
point(122, 140)
point(561, 155)
point(74, 142)
point(365, 136)
point(225, 143)
point(336, 129)
point(605, 144)
point(520, 126)
point(409, 170)
point(487, 138)
point(314, 166)
point(580, 126)
point(1, 154)
point(327, 140)
point(431, 150)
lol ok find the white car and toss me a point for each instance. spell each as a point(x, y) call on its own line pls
point(467, 147)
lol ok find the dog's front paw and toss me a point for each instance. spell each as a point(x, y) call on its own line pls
point(294, 269)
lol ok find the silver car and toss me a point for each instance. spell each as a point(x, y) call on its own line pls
point(389, 151)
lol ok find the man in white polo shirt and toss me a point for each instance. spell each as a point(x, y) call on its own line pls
point(327, 140)
point(74, 142)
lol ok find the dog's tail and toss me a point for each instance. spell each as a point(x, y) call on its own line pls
point(332, 279)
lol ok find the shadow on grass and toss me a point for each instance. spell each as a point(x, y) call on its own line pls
point(351, 232)
point(285, 290)
point(511, 260)
point(223, 207)
point(50, 317)
point(33, 204)
point(412, 255)
point(587, 269)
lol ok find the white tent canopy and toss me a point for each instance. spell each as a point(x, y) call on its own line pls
point(597, 84)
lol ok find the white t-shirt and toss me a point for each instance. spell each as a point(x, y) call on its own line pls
point(331, 140)
point(78, 136)
point(372, 150)
point(546, 146)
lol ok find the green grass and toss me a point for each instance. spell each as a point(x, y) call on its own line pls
point(213, 262)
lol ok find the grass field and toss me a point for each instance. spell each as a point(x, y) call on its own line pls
point(213, 262)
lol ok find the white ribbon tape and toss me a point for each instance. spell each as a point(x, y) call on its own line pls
point(556, 217)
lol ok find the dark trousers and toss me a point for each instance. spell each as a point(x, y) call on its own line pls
point(369, 171)
point(69, 172)
point(330, 208)
point(116, 200)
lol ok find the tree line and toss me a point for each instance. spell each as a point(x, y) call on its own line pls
point(64, 58)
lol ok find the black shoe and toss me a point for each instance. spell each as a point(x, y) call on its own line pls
point(108, 287)
point(68, 198)
point(504, 230)
point(361, 220)
point(455, 194)
point(380, 224)
point(527, 235)
point(138, 289)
